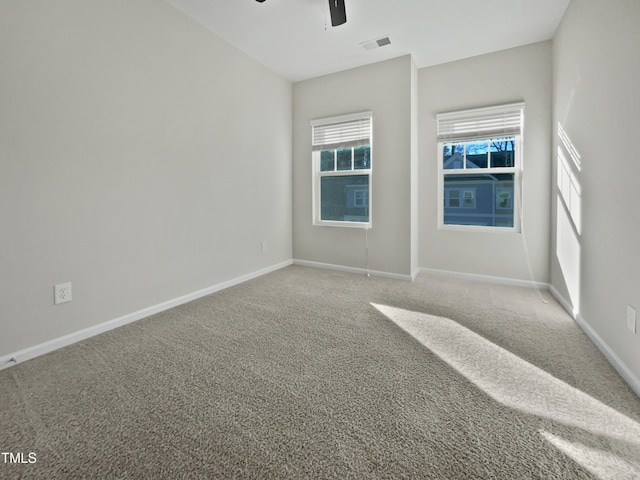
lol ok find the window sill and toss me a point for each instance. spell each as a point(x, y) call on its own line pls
point(478, 229)
point(325, 223)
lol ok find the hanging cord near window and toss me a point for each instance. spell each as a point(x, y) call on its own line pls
point(525, 246)
point(366, 249)
point(325, 16)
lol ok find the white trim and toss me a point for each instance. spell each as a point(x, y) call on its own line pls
point(342, 268)
point(344, 223)
point(617, 363)
point(563, 302)
point(479, 229)
point(415, 274)
point(486, 278)
point(55, 344)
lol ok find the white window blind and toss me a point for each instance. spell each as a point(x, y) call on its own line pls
point(480, 123)
point(342, 132)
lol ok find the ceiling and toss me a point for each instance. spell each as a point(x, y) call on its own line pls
point(295, 38)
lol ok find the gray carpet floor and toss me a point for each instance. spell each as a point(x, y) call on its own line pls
point(309, 373)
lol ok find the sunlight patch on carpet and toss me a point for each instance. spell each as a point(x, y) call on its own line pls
point(518, 384)
point(604, 465)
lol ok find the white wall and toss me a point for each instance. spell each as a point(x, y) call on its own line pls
point(595, 258)
point(141, 158)
point(513, 75)
point(385, 89)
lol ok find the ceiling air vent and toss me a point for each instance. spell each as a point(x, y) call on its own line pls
point(376, 43)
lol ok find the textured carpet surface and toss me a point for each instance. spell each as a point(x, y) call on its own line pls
point(309, 373)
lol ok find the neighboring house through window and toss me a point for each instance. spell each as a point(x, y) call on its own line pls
point(342, 170)
point(479, 167)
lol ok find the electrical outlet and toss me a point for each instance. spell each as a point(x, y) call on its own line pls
point(631, 318)
point(62, 293)
point(263, 246)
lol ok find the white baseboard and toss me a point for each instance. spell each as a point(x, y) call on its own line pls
point(486, 278)
point(363, 271)
point(46, 347)
point(563, 301)
point(617, 363)
point(415, 274)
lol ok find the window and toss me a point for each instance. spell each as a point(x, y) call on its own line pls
point(503, 198)
point(342, 170)
point(360, 198)
point(459, 198)
point(479, 167)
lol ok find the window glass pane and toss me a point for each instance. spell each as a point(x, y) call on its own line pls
point(362, 157)
point(360, 197)
point(344, 159)
point(454, 198)
point(503, 152)
point(485, 200)
point(327, 160)
point(453, 157)
point(469, 199)
point(478, 155)
point(345, 198)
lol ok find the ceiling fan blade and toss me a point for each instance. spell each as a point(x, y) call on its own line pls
point(338, 12)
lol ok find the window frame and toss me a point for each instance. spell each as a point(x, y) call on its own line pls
point(481, 130)
point(318, 174)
